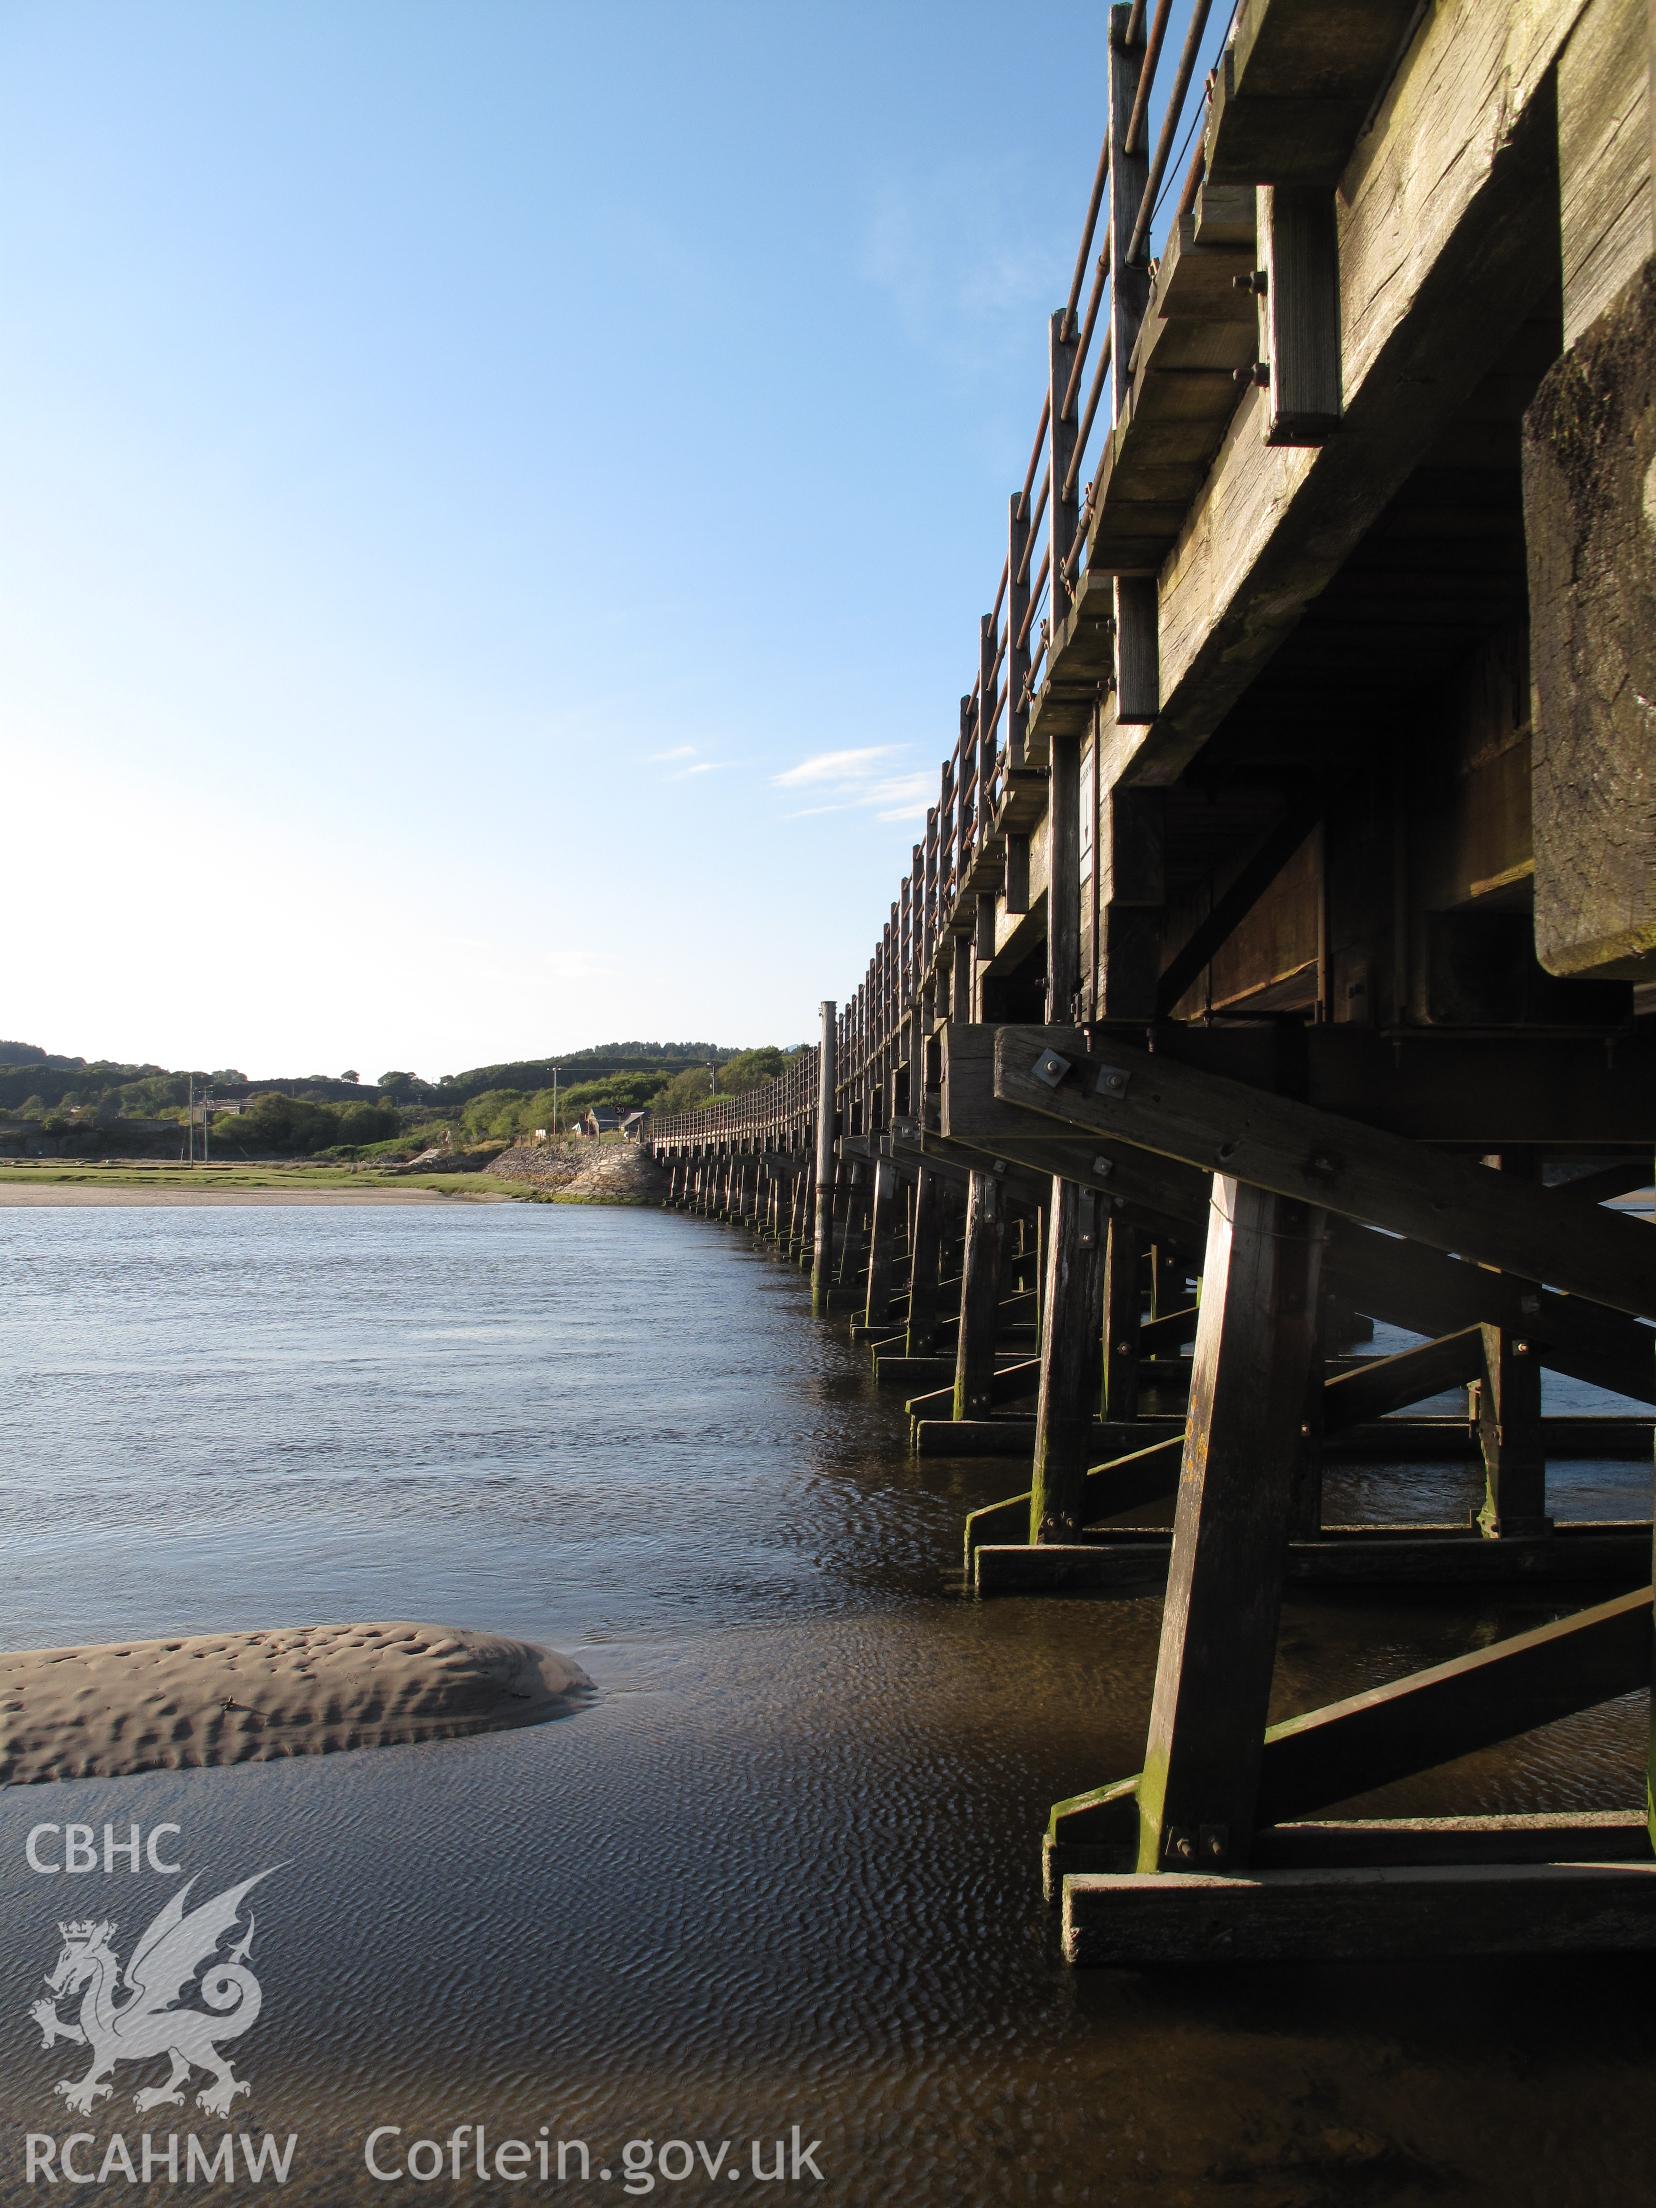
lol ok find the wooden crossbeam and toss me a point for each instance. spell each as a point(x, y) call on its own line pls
point(1409, 1377)
point(1362, 1915)
point(1296, 1151)
point(1434, 1085)
point(1412, 1724)
point(1407, 1285)
point(1572, 1836)
point(1159, 1337)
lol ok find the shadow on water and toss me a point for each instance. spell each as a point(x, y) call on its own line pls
point(783, 1869)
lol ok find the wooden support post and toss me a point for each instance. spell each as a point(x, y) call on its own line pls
point(1138, 650)
point(1064, 881)
point(1510, 1436)
point(853, 1239)
point(804, 1213)
point(1305, 1518)
point(1509, 1414)
point(882, 1235)
point(979, 1295)
point(925, 1269)
point(1068, 1400)
point(1017, 873)
point(1230, 1533)
point(1299, 312)
point(962, 978)
point(1123, 1312)
point(822, 1253)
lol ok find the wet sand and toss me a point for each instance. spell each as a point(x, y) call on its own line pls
point(111, 1709)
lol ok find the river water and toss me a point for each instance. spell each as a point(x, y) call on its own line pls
point(783, 1868)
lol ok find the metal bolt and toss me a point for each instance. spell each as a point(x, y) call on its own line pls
point(1103, 1168)
point(1259, 373)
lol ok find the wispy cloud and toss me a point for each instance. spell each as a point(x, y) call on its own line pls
point(686, 762)
point(965, 254)
point(857, 781)
point(834, 766)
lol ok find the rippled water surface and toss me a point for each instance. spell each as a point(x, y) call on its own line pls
point(783, 1868)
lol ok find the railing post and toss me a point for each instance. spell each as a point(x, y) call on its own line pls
point(822, 1250)
point(1017, 643)
point(1138, 681)
point(1064, 788)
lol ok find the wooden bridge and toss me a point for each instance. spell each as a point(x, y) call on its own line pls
point(1277, 957)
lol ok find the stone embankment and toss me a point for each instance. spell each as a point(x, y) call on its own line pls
point(584, 1172)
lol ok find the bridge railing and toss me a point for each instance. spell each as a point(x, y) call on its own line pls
point(1140, 186)
point(779, 1113)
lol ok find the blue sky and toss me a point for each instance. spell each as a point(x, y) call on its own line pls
point(467, 465)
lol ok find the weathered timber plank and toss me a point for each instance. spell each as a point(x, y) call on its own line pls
point(1312, 1157)
point(1296, 82)
point(1360, 1915)
point(1604, 157)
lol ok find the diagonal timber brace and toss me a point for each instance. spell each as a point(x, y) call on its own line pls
point(1409, 1725)
point(1298, 1152)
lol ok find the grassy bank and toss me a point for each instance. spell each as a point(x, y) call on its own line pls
point(304, 1176)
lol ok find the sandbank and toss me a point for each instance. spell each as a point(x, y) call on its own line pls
point(113, 1708)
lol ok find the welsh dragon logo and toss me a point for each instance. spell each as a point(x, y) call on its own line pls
point(133, 2015)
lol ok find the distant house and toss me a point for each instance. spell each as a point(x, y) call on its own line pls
point(601, 1119)
point(632, 1125)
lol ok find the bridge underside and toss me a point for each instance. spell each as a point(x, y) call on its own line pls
point(1280, 965)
